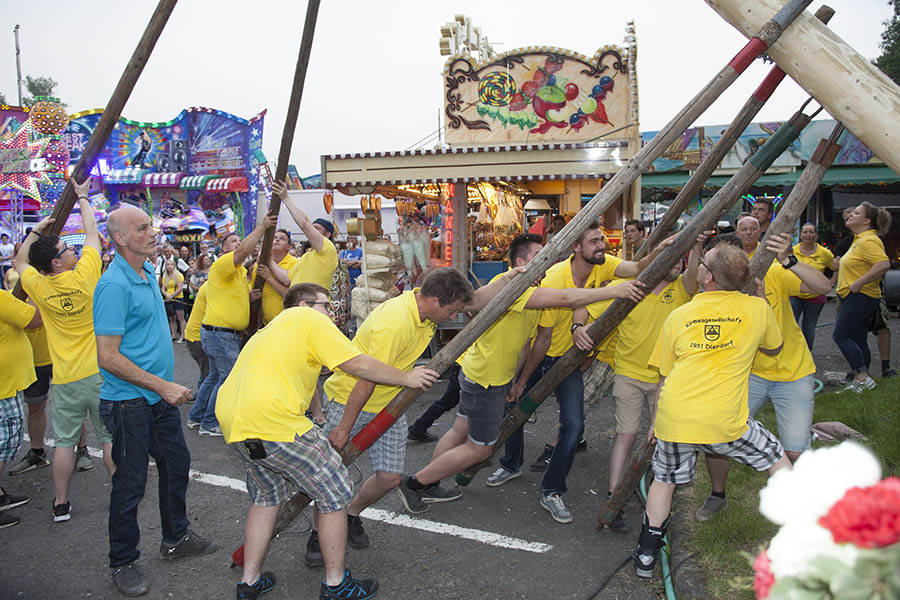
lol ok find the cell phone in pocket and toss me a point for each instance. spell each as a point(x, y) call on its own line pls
point(255, 449)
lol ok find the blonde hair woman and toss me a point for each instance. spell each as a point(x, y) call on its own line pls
point(171, 283)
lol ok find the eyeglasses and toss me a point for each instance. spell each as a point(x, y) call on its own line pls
point(63, 251)
point(707, 268)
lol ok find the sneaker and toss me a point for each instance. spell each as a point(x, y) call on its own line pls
point(192, 424)
point(313, 557)
point(711, 506)
point(8, 501)
point(31, 461)
point(543, 460)
point(501, 476)
point(411, 499)
point(246, 591)
point(888, 373)
point(83, 460)
point(421, 438)
point(646, 554)
point(8, 520)
point(554, 504)
point(859, 386)
point(62, 512)
point(356, 535)
point(619, 524)
point(130, 580)
point(349, 589)
point(214, 431)
point(582, 446)
point(191, 544)
point(436, 493)
point(867, 384)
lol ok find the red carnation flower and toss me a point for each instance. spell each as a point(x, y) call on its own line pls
point(866, 517)
point(763, 580)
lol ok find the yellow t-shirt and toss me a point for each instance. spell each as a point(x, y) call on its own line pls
point(272, 302)
point(39, 349)
point(492, 358)
point(172, 284)
point(795, 360)
point(268, 391)
point(394, 334)
point(705, 352)
point(605, 351)
point(66, 302)
point(192, 329)
point(228, 295)
point(559, 276)
point(820, 260)
point(15, 351)
point(316, 267)
point(866, 250)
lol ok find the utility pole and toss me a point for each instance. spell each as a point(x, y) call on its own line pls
point(18, 64)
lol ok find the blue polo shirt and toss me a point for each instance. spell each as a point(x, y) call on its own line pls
point(131, 307)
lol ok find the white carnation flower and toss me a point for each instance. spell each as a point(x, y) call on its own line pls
point(818, 480)
point(797, 543)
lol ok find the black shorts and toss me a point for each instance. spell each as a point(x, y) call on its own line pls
point(172, 307)
point(37, 391)
point(880, 317)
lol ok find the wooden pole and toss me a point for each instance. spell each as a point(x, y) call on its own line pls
point(284, 153)
point(711, 162)
point(560, 246)
point(108, 119)
point(853, 90)
point(631, 476)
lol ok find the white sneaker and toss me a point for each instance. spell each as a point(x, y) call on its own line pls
point(501, 476)
point(553, 503)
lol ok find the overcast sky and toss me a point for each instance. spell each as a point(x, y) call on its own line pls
point(374, 80)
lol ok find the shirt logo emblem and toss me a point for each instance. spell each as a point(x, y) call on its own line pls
point(711, 332)
point(67, 304)
point(667, 296)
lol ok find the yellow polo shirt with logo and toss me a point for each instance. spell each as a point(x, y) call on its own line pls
point(316, 267)
point(272, 302)
point(795, 360)
point(819, 260)
point(227, 295)
point(66, 302)
point(15, 351)
point(394, 334)
point(267, 393)
point(492, 358)
point(192, 329)
point(39, 348)
point(559, 276)
point(866, 250)
point(705, 351)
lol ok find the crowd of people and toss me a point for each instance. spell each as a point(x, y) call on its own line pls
point(97, 336)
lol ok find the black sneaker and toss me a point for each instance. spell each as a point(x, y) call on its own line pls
point(313, 557)
point(266, 582)
point(543, 460)
point(619, 523)
point(8, 520)
point(436, 493)
point(349, 589)
point(421, 438)
point(411, 499)
point(8, 501)
point(356, 535)
point(191, 544)
point(646, 555)
point(582, 446)
point(888, 373)
point(31, 461)
point(62, 512)
point(130, 580)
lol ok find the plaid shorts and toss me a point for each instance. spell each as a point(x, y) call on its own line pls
point(10, 426)
point(388, 453)
point(673, 462)
point(309, 463)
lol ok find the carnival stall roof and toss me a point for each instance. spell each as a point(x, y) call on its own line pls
point(163, 179)
point(228, 184)
point(126, 176)
point(196, 182)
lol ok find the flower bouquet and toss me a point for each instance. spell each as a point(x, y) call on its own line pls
point(840, 529)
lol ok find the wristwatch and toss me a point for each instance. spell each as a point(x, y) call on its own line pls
point(575, 326)
point(792, 260)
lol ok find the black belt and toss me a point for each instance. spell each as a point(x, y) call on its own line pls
point(221, 329)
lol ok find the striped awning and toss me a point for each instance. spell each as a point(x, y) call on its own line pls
point(196, 182)
point(163, 179)
point(116, 176)
point(228, 184)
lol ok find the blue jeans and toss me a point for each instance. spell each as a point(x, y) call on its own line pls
point(793, 402)
point(222, 349)
point(139, 431)
point(810, 312)
point(851, 330)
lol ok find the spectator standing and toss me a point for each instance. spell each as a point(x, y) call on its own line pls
point(7, 252)
point(171, 283)
point(353, 255)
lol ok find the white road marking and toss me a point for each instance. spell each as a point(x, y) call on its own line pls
point(385, 516)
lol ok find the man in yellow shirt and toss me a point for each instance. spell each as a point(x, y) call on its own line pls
point(273, 290)
point(486, 372)
point(261, 408)
point(788, 380)
point(18, 374)
point(35, 397)
point(589, 267)
point(227, 314)
point(62, 287)
point(748, 233)
point(704, 356)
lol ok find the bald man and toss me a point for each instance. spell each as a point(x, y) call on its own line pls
point(139, 401)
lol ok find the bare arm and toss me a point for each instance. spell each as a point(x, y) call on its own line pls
point(89, 221)
point(811, 280)
point(486, 293)
point(357, 399)
point(249, 243)
point(535, 355)
point(36, 319)
point(110, 359)
point(689, 279)
point(316, 239)
point(629, 268)
point(875, 273)
point(578, 297)
point(366, 367)
point(37, 230)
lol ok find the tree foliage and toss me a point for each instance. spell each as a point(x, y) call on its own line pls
point(889, 61)
point(38, 86)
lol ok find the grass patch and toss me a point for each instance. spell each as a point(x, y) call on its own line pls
point(741, 528)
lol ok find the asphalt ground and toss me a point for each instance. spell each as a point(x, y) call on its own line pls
point(492, 543)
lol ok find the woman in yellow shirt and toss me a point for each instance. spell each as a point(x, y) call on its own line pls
point(171, 283)
point(809, 306)
point(859, 273)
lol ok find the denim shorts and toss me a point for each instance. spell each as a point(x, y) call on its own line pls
point(387, 453)
point(10, 426)
point(482, 408)
point(793, 402)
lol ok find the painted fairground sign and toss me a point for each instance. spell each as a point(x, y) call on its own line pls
point(537, 94)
